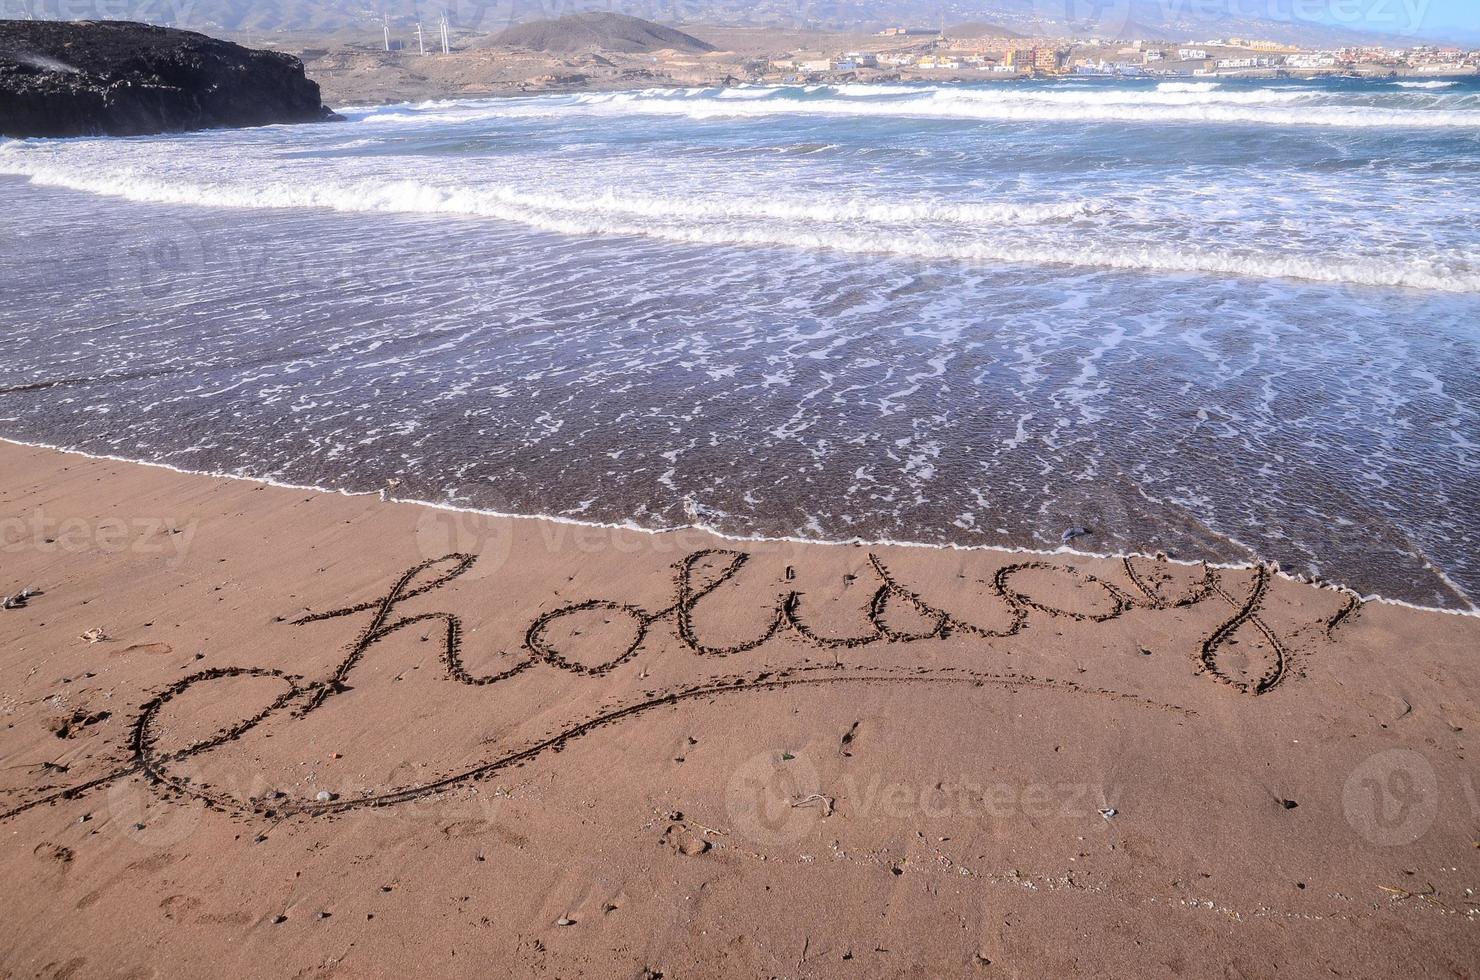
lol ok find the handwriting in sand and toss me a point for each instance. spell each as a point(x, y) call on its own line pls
point(696, 578)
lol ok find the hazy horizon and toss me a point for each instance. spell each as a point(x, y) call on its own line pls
point(1313, 22)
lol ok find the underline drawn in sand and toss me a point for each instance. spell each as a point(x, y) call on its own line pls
point(697, 577)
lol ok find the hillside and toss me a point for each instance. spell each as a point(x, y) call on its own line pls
point(976, 28)
point(599, 31)
point(1149, 19)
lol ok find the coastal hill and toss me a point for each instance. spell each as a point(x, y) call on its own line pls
point(1122, 19)
point(599, 31)
point(976, 28)
point(118, 78)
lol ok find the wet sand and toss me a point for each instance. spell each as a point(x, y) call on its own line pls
point(253, 730)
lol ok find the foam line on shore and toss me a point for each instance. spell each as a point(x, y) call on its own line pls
point(1472, 612)
point(614, 216)
point(1260, 107)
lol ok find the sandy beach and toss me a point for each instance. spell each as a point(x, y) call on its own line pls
point(253, 730)
point(995, 499)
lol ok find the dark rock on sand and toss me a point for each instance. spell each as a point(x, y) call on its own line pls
point(118, 78)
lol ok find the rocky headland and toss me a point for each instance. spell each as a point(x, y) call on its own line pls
point(118, 78)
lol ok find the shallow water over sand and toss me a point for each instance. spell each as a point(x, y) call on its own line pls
point(1223, 320)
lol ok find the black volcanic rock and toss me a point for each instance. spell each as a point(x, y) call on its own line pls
point(118, 78)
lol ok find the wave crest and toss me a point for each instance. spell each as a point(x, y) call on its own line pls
point(1183, 105)
point(881, 228)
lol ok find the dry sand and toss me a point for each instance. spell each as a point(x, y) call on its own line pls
point(565, 751)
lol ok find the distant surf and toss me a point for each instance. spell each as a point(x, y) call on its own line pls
point(798, 225)
point(1168, 103)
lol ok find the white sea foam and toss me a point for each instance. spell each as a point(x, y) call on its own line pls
point(1430, 85)
point(796, 224)
point(699, 525)
point(1164, 95)
point(968, 107)
point(1211, 106)
point(412, 197)
point(1187, 87)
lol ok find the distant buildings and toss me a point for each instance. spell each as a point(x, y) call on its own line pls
point(1320, 59)
point(1018, 59)
point(909, 32)
point(932, 51)
point(1244, 63)
point(1043, 59)
point(1249, 44)
point(1122, 69)
point(1048, 59)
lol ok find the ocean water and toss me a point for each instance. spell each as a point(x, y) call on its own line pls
point(1224, 319)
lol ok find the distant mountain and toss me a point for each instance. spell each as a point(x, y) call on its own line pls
point(599, 31)
point(976, 28)
point(1129, 19)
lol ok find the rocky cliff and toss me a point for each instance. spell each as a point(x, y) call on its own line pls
point(118, 78)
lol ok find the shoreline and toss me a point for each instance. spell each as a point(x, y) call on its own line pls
point(1064, 551)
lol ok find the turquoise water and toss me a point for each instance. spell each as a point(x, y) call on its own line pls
point(1221, 318)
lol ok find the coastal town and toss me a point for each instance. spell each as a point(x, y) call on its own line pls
point(409, 60)
point(974, 52)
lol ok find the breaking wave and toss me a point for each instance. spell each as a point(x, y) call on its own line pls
point(412, 197)
point(1169, 103)
point(910, 230)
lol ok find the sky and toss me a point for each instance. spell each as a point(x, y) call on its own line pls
point(1456, 13)
point(1460, 18)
